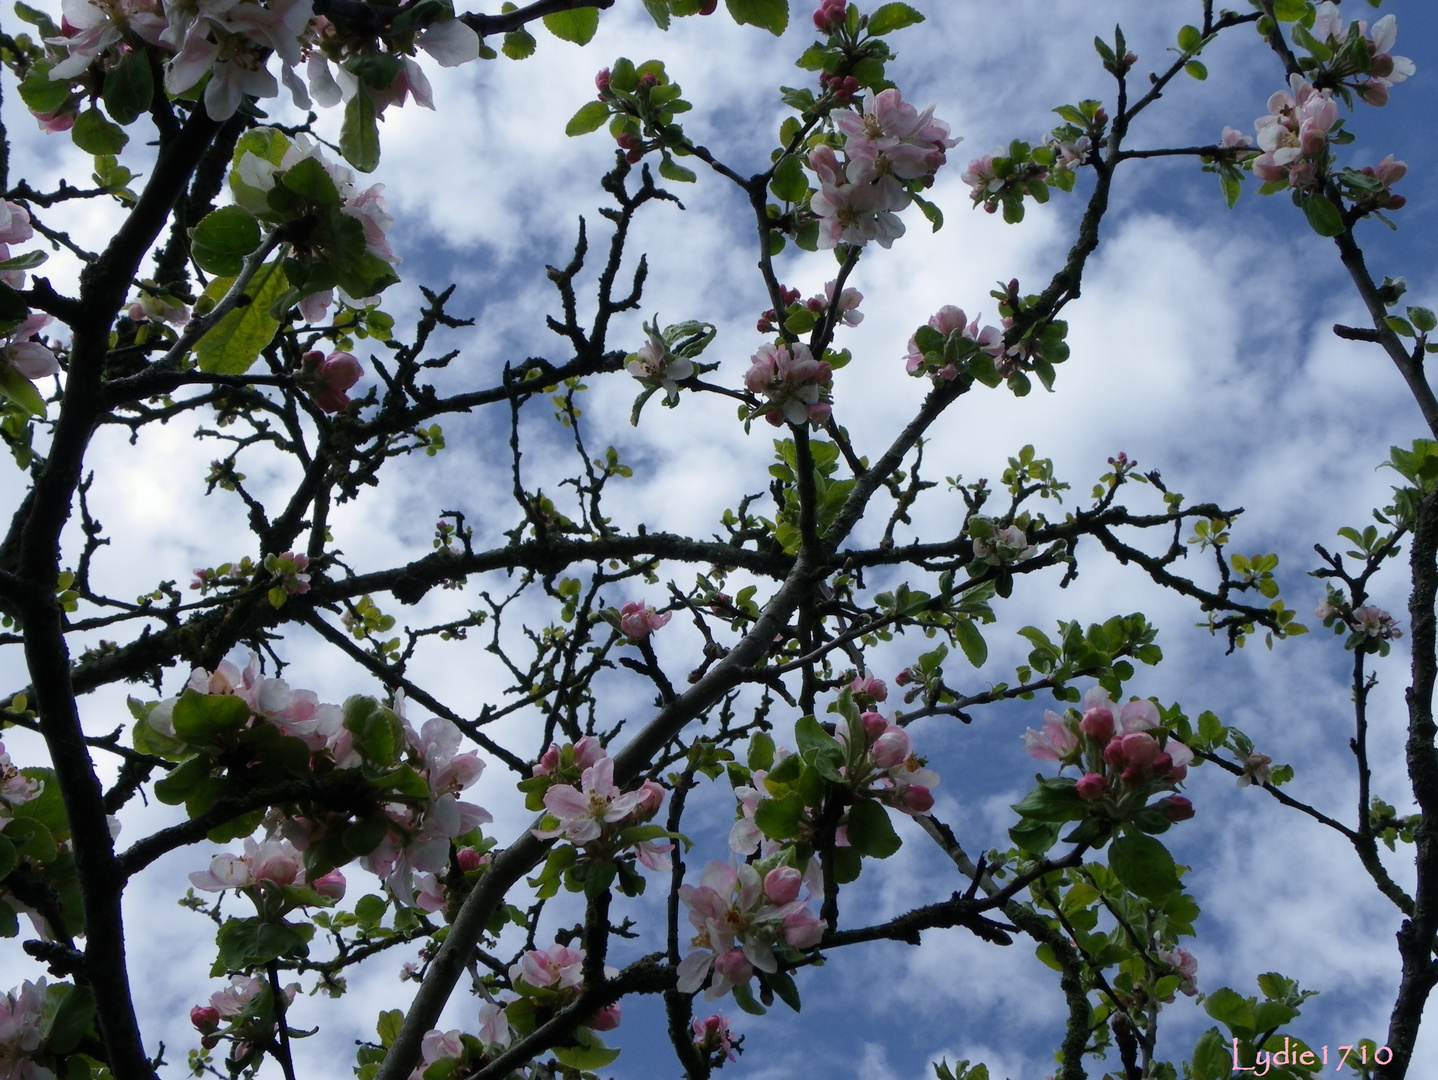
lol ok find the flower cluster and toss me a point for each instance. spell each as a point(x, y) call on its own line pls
point(575, 785)
point(800, 317)
point(1377, 70)
point(795, 384)
point(1185, 966)
point(326, 378)
point(16, 788)
point(417, 777)
point(891, 149)
point(1294, 135)
point(999, 545)
point(21, 1025)
point(230, 45)
point(1369, 627)
point(1122, 760)
point(952, 340)
point(246, 1009)
point(740, 922)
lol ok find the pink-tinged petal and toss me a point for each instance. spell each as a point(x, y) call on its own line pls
point(693, 970)
point(565, 802)
point(450, 42)
point(32, 359)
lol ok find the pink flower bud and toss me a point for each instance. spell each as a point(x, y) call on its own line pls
point(606, 1019)
point(469, 859)
point(652, 798)
point(892, 748)
point(903, 678)
point(602, 80)
point(649, 79)
point(781, 884)
point(918, 799)
point(874, 724)
point(548, 761)
point(331, 885)
point(1098, 724)
point(1132, 776)
point(205, 1018)
point(1175, 808)
point(1091, 785)
point(1113, 754)
point(1140, 749)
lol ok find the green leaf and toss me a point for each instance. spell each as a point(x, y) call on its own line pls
point(519, 44)
point(42, 93)
point(659, 12)
point(1034, 836)
point(94, 134)
point(377, 732)
point(1189, 39)
point(1323, 216)
point(779, 818)
point(223, 238)
point(761, 751)
point(21, 391)
point(129, 86)
point(1231, 1008)
point(1143, 866)
point(1212, 1057)
point(369, 910)
point(870, 831)
point(789, 183)
point(1055, 799)
point(359, 134)
point(590, 117)
point(672, 170)
point(971, 641)
point(586, 1058)
point(175, 787)
point(310, 181)
point(244, 943)
point(48, 807)
point(577, 25)
point(9, 922)
point(1196, 70)
point(1423, 318)
point(770, 15)
point(8, 857)
point(234, 343)
point(71, 1019)
point(199, 718)
point(890, 17)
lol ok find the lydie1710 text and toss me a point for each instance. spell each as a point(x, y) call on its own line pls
point(1358, 1054)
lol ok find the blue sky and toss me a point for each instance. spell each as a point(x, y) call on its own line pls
point(1201, 347)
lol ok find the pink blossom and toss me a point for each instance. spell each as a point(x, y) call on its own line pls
point(792, 380)
point(331, 885)
point(494, 1025)
point(1098, 724)
point(892, 139)
point(892, 748)
point(1175, 808)
point(1055, 743)
point(781, 884)
point(205, 1018)
point(1185, 967)
point(274, 861)
point(866, 685)
point(582, 813)
point(606, 1019)
point(638, 619)
point(829, 18)
point(712, 1036)
point(848, 303)
point(1091, 786)
point(559, 966)
point(21, 1032)
point(30, 358)
point(15, 227)
point(328, 377)
point(854, 214)
point(1257, 769)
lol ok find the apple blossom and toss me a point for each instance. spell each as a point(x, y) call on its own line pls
point(30, 358)
point(559, 966)
point(792, 380)
point(274, 861)
point(654, 365)
point(1057, 741)
point(1185, 967)
point(582, 813)
point(21, 1032)
point(639, 620)
point(713, 1038)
